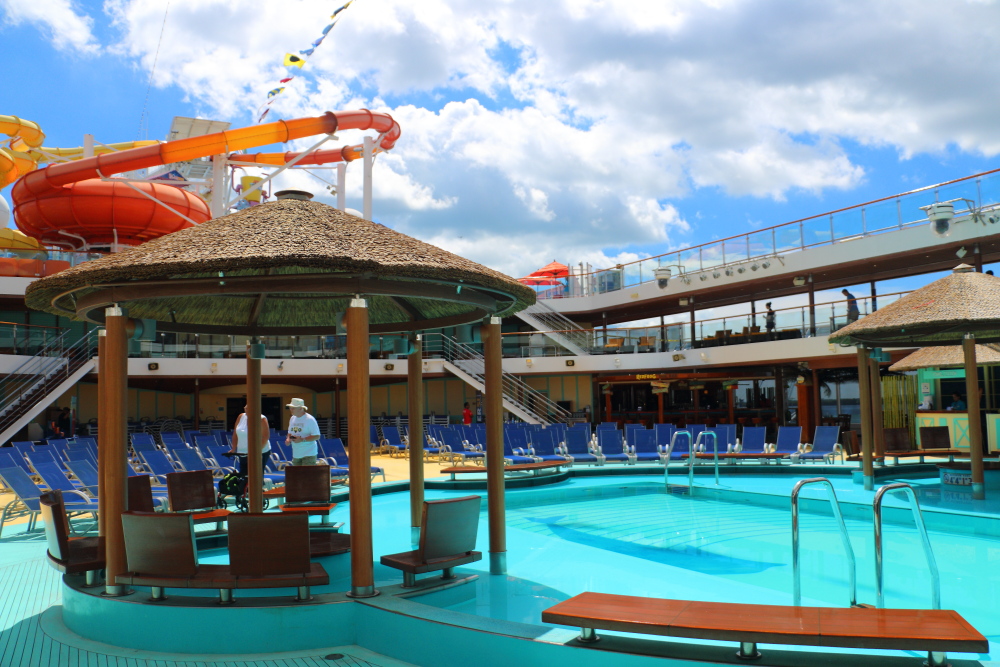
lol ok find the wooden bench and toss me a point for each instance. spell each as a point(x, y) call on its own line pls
point(265, 551)
point(307, 492)
point(194, 492)
point(448, 530)
point(934, 631)
point(520, 467)
point(69, 555)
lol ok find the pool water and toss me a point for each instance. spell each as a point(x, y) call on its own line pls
point(639, 538)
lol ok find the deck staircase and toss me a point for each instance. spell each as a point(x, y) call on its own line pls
point(40, 380)
point(465, 362)
point(559, 328)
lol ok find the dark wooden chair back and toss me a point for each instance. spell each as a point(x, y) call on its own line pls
point(449, 527)
point(140, 494)
point(268, 544)
point(56, 524)
point(849, 441)
point(160, 544)
point(307, 484)
point(897, 439)
point(194, 490)
point(935, 437)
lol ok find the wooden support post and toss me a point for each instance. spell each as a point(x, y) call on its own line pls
point(975, 426)
point(197, 405)
point(336, 407)
point(878, 432)
point(102, 419)
point(817, 399)
point(865, 394)
point(812, 307)
point(492, 350)
point(359, 451)
point(255, 471)
point(113, 434)
point(779, 394)
point(730, 402)
point(607, 405)
point(659, 408)
point(415, 406)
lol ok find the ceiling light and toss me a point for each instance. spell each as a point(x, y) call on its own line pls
point(961, 252)
point(766, 264)
point(799, 281)
point(618, 362)
point(754, 266)
point(529, 363)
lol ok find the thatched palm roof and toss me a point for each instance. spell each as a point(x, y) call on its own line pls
point(941, 313)
point(946, 356)
point(287, 267)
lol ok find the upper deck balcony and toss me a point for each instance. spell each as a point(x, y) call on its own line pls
point(878, 240)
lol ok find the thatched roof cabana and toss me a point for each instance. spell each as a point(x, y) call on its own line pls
point(946, 356)
point(287, 267)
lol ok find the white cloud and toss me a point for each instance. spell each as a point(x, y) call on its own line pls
point(576, 129)
point(67, 28)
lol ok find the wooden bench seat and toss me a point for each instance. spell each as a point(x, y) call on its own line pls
point(69, 555)
point(534, 468)
point(265, 551)
point(934, 631)
point(448, 530)
point(194, 491)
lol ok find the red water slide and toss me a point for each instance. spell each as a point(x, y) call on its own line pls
point(69, 205)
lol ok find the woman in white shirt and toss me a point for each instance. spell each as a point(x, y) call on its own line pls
point(239, 443)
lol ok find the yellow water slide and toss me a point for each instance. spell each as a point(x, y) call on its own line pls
point(24, 152)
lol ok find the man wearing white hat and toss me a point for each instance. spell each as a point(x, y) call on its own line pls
point(303, 432)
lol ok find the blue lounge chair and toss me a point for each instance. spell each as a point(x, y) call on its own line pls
point(754, 440)
point(789, 441)
point(86, 474)
point(26, 499)
point(334, 447)
point(643, 448)
point(157, 464)
point(392, 441)
point(458, 449)
point(662, 433)
point(515, 455)
point(678, 447)
point(611, 446)
point(374, 440)
point(611, 425)
point(578, 449)
point(823, 446)
point(545, 446)
point(727, 436)
point(695, 430)
point(10, 456)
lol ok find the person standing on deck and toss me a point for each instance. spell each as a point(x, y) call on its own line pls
point(303, 433)
point(467, 415)
point(239, 447)
point(852, 307)
point(769, 320)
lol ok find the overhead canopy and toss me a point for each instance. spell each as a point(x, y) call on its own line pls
point(551, 270)
point(287, 267)
point(946, 356)
point(942, 313)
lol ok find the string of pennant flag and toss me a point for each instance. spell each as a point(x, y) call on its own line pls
point(298, 60)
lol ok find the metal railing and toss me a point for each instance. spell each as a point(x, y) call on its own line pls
point(691, 457)
point(918, 519)
point(470, 361)
point(852, 565)
point(755, 249)
point(43, 372)
point(560, 325)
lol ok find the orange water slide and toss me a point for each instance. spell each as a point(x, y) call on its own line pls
point(69, 204)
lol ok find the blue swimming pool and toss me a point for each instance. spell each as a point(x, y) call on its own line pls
point(640, 537)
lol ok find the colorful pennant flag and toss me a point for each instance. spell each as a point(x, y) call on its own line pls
point(292, 60)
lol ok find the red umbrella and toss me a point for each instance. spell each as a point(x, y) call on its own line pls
point(538, 280)
point(552, 270)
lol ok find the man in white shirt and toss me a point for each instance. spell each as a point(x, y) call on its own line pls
point(303, 432)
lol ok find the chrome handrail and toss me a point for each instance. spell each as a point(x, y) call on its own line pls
point(852, 566)
point(715, 446)
point(918, 519)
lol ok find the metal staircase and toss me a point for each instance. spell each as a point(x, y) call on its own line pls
point(465, 362)
point(35, 384)
point(562, 330)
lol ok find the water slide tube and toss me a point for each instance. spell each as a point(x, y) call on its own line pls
point(68, 204)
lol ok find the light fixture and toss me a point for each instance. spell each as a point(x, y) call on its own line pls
point(766, 264)
point(704, 356)
point(570, 362)
point(153, 366)
point(618, 362)
point(961, 252)
point(678, 357)
point(340, 368)
point(799, 281)
point(687, 281)
point(529, 363)
point(684, 301)
point(281, 365)
point(742, 269)
point(754, 266)
point(729, 271)
point(703, 277)
point(389, 367)
point(716, 274)
point(214, 368)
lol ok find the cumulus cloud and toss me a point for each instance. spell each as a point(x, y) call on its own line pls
point(67, 28)
point(572, 130)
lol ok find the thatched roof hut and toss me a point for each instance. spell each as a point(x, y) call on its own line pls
point(287, 267)
point(946, 356)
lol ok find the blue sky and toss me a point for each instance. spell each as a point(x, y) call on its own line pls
point(594, 130)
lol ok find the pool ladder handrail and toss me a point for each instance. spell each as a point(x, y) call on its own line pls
point(918, 519)
point(715, 446)
point(852, 564)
